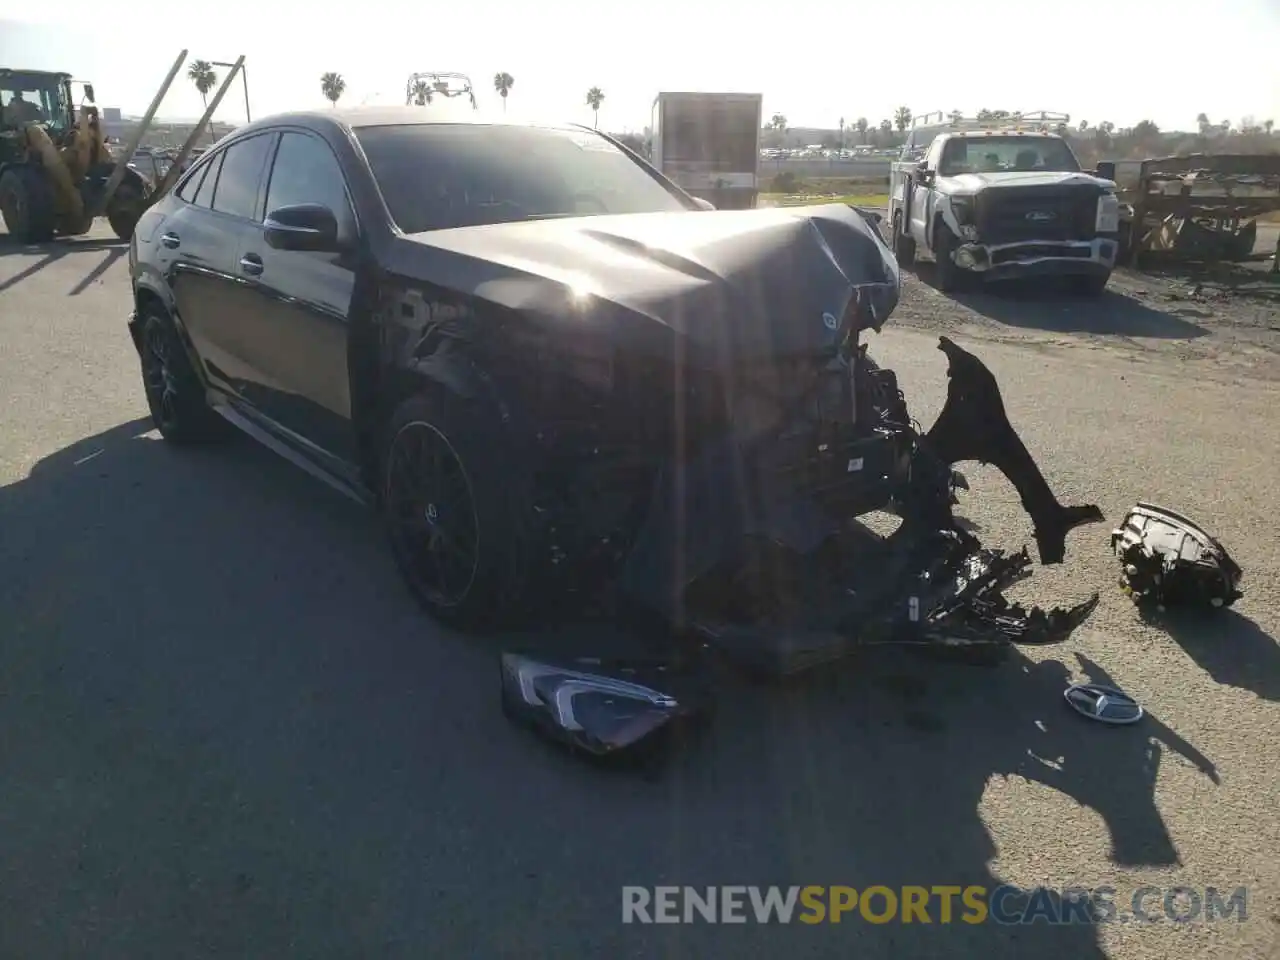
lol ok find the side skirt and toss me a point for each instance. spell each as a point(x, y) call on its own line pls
point(295, 450)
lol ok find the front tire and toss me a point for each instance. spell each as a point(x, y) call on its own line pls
point(454, 510)
point(26, 202)
point(175, 395)
point(949, 276)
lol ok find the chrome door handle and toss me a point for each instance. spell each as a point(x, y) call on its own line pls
point(170, 240)
point(251, 264)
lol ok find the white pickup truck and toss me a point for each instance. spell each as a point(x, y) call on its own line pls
point(1002, 200)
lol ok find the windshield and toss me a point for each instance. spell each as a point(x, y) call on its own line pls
point(440, 175)
point(1002, 154)
point(32, 98)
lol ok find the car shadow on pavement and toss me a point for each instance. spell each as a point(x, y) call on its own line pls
point(1227, 645)
point(1047, 305)
point(224, 722)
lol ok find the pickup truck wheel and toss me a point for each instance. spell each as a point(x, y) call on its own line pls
point(949, 276)
point(904, 247)
point(174, 392)
point(453, 511)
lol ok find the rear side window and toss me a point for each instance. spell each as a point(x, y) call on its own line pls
point(241, 174)
point(191, 185)
point(204, 196)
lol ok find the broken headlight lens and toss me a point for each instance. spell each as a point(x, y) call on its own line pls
point(585, 704)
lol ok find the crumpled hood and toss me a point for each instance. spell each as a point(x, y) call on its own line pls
point(973, 182)
point(755, 283)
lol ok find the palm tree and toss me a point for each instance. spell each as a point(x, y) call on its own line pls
point(421, 92)
point(902, 118)
point(1268, 126)
point(778, 124)
point(202, 75)
point(595, 97)
point(503, 82)
point(332, 86)
point(955, 116)
point(862, 126)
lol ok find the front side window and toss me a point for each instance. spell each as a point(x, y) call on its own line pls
point(306, 171)
point(441, 175)
point(241, 175)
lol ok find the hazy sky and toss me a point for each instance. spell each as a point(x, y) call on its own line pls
point(814, 60)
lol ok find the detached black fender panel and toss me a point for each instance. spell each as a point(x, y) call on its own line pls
point(973, 425)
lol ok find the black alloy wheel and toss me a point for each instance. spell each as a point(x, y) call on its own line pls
point(160, 377)
point(175, 394)
point(431, 514)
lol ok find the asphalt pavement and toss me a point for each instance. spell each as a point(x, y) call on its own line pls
point(225, 729)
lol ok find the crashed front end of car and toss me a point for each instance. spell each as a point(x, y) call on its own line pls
point(706, 428)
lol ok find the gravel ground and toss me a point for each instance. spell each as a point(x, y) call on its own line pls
point(1227, 321)
point(1225, 316)
point(226, 731)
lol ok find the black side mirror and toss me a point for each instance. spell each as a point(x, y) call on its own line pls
point(303, 226)
point(1106, 170)
point(88, 93)
point(922, 174)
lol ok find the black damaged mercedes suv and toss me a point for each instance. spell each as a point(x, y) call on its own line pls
point(564, 382)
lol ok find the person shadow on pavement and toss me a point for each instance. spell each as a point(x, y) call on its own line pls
point(189, 626)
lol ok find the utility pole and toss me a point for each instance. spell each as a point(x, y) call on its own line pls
point(244, 75)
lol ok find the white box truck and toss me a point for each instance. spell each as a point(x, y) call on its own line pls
point(709, 144)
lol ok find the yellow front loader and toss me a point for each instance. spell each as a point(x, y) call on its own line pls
point(56, 171)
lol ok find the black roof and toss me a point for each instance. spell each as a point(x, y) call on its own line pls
point(438, 112)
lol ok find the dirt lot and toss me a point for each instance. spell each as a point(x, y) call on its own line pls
point(1226, 315)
